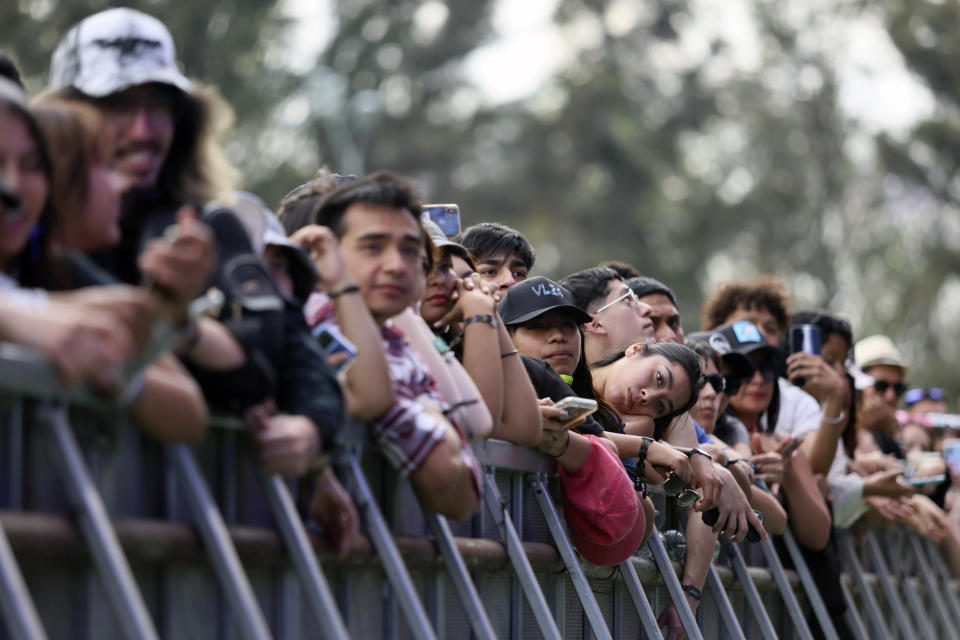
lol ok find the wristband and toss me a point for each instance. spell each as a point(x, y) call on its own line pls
point(692, 591)
point(698, 450)
point(482, 318)
point(353, 288)
point(825, 420)
point(508, 354)
point(640, 484)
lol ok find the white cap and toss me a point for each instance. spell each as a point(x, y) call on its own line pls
point(879, 349)
point(114, 50)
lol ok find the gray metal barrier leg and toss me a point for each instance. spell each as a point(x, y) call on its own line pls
point(786, 592)
point(727, 614)
point(672, 582)
point(809, 586)
point(854, 621)
point(924, 625)
point(855, 569)
point(947, 623)
point(580, 584)
point(319, 597)
point(886, 583)
point(213, 532)
point(936, 561)
point(118, 580)
point(750, 591)
point(460, 576)
point(16, 604)
point(403, 588)
point(648, 619)
point(511, 540)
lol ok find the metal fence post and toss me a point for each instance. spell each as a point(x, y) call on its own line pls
point(760, 614)
point(648, 619)
point(317, 590)
point(118, 580)
point(886, 583)
point(854, 621)
point(947, 623)
point(403, 588)
point(924, 626)
point(727, 614)
point(672, 582)
point(580, 583)
point(786, 591)
point(511, 540)
point(809, 586)
point(15, 601)
point(855, 569)
point(936, 561)
point(460, 577)
point(222, 553)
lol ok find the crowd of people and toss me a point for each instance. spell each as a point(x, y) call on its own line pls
point(130, 258)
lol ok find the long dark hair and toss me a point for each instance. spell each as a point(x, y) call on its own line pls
point(31, 265)
point(582, 385)
point(679, 354)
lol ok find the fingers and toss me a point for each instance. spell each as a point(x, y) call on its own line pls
point(754, 521)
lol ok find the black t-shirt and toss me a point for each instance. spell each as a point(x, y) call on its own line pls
point(548, 384)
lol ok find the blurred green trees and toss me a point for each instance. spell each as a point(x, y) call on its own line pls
point(696, 151)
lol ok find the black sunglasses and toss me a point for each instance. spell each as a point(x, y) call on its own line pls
point(882, 385)
point(717, 381)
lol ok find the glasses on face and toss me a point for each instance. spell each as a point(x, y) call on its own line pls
point(674, 487)
point(732, 383)
point(916, 395)
point(882, 385)
point(717, 381)
point(767, 369)
point(629, 298)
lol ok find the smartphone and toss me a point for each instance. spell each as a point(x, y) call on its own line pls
point(951, 453)
point(788, 446)
point(919, 482)
point(575, 408)
point(711, 516)
point(446, 216)
point(331, 341)
point(804, 338)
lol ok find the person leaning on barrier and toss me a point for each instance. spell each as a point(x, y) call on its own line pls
point(91, 334)
point(447, 301)
point(383, 246)
point(503, 255)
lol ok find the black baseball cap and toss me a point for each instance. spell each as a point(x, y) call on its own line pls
point(735, 342)
point(534, 297)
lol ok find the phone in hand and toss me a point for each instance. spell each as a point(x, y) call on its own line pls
point(711, 516)
point(445, 216)
point(332, 341)
point(575, 408)
point(804, 338)
point(919, 482)
point(791, 444)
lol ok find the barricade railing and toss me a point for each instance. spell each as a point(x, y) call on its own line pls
point(104, 533)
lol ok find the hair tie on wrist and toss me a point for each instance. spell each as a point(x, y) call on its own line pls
point(836, 420)
point(349, 289)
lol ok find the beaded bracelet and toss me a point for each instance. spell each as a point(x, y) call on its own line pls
point(641, 482)
point(482, 318)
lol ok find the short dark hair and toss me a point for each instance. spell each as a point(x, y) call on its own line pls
point(381, 188)
point(299, 207)
point(624, 269)
point(705, 351)
point(766, 293)
point(828, 324)
point(644, 286)
point(589, 286)
point(488, 239)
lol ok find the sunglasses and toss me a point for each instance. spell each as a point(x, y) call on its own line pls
point(717, 381)
point(916, 395)
point(629, 297)
point(674, 487)
point(767, 369)
point(882, 385)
